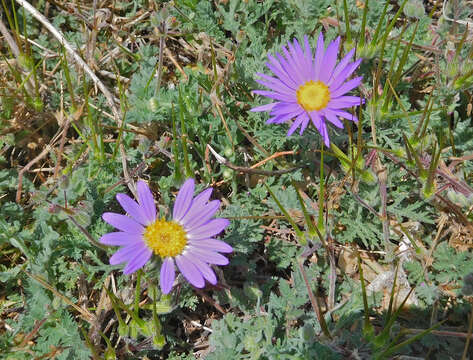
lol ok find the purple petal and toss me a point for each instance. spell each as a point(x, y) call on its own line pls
point(132, 208)
point(333, 119)
point(127, 253)
point(321, 127)
point(120, 239)
point(298, 61)
point(319, 56)
point(200, 215)
point(204, 269)
point(279, 119)
point(342, 65)
point(277, 88)
point(183, 200)
point(266, 107)
point(289, 64)
point(295, 125)
point(286, 108)
point(305, 122)
point(344, 101)
point(276, 81)
point(345, 115)
point(190, 271)
point(305, 60)
point(123, 223)
point(344, 74)
point(309, 58)
point(211, 228)
point(280, 72)
point(167, 275)
point(275, 95)
point(212, 244)
point(329, 60)
point(210, 257)
point(140, 259)
point(146, 200)
point(343, 89)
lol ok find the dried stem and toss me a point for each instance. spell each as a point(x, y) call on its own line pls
point(80, 62)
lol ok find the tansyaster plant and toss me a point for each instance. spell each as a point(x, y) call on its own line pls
point(186, 240)
point(310, 88)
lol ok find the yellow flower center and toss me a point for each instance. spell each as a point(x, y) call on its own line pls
point(313, 95)
point(165, 238)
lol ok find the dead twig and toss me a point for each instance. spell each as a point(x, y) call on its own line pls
point(250, 170)
point(81, 63)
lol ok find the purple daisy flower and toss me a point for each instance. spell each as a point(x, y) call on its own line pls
point(186, 240)
point(308, 88)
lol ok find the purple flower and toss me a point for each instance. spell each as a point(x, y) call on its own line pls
point(186, 240)
point(310, 88)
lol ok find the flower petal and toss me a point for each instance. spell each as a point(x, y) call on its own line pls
point(344, 102)
point(132, 208)
point(146, 200)
point(120, 238)
point(190, 271)
point(335, 82)
point(167, 275)
point(210, 257)
point(140, 259)
point(212, 244)
point(204, 269)
point(341, 65)
point(200, 214)
point(330, 58)
point(345, 115)
point(267, 107)
point(286, 108)
point(275, 95)
point(319, 56)
point(211, 228)
point(276, 67)
point(346, 87)
point(321, 127)
point(333, 119)
point(123, 223)
point(276, 81)
point(295, 125)
point(183, 200)
point(199, 201)
point(127, 253)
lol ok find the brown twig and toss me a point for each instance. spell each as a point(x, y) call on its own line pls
point(275, 155)
point(250, 170)
point(81, 63)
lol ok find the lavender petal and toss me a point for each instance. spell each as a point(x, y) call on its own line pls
point(267, 107)
point(126, 253)
point(167, 275)
point(146, 200)
point(211, 228)
point(204, 269)
point(140, 259)
point(200, 215)
point(210, 257)
point(212, 244)
point(190, 272)
point(123, 223)
point(120, 239)
point(132, 208)
point(183, 200)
